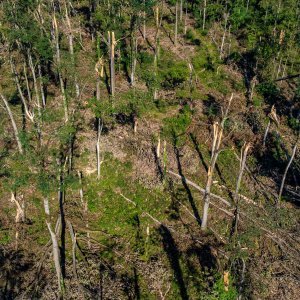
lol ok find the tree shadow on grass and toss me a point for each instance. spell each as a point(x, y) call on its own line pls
point(173, 256)
point(184, 183)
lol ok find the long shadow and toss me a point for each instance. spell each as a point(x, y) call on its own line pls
point(184, 183)
point(173, 256)
point(196, 145)
point(14, 266)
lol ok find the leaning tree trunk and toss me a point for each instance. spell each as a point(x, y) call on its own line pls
point(285, 173)
point(244, 152)
point(55, 248)
point(13, 123)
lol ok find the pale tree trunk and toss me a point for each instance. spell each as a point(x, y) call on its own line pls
point(36, 90)
point(286, 171)
point(133, 60)
point(181, 11)
point(13, 123)
point(185, 19)
point(215, 150)
point(266, 134)
point(226, 15)
point(144, 21)
point(176, 24)
point(71, 47)
point(27, 85)
point(158, 21)
point(20, 215)
point(58, 61)
point(99, 160)
point(244, 152)
point(112, 44)
point(42, 86)
point(85, 207)
point(29, 114)
point(204, 14)
point(158, 147)
point(55, 247)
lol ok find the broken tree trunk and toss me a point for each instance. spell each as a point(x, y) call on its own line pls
point(215, 150)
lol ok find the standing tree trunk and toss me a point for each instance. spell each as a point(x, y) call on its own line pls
point(55, 248)
point(244, 152)
point(13, 123)
point(204, 14)
point(285, 173)
point(99, 161)
point(176, 24)
point(71, 47)
point(58, 61)
point(133, 60)
point(215, 150)
point(112, 44)
point(226, 15)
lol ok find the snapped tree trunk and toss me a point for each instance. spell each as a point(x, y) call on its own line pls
point(215, 150)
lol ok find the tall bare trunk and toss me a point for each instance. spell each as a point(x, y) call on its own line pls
point(29, 114)
point(215, 150)
point(55, 247)
point(112, 44)
point(286, 171)
point(244, 152)
point(42, 86)
point(204, 15)
point(58, 61)
point(71, 47)
point(176, 24)
point(13, 123)
point(226, 15)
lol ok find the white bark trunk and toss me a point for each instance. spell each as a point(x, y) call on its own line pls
point(13, 123)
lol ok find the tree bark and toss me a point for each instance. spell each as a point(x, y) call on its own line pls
point(13, 123)
point(285, 173)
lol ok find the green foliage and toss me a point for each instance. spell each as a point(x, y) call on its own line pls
point(219, 293)
point(174, 127)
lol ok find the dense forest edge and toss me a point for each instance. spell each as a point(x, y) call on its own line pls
point(149, 149)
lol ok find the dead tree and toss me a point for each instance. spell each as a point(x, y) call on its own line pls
point(55, 38)
point(286, 171)
point(215, 150)
point(20, 214)
point(176, 24)
point(243, 158)
point(204, 14)
point(71, 46)
point(55, 248)
point(272, 118)
point(13, 123)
